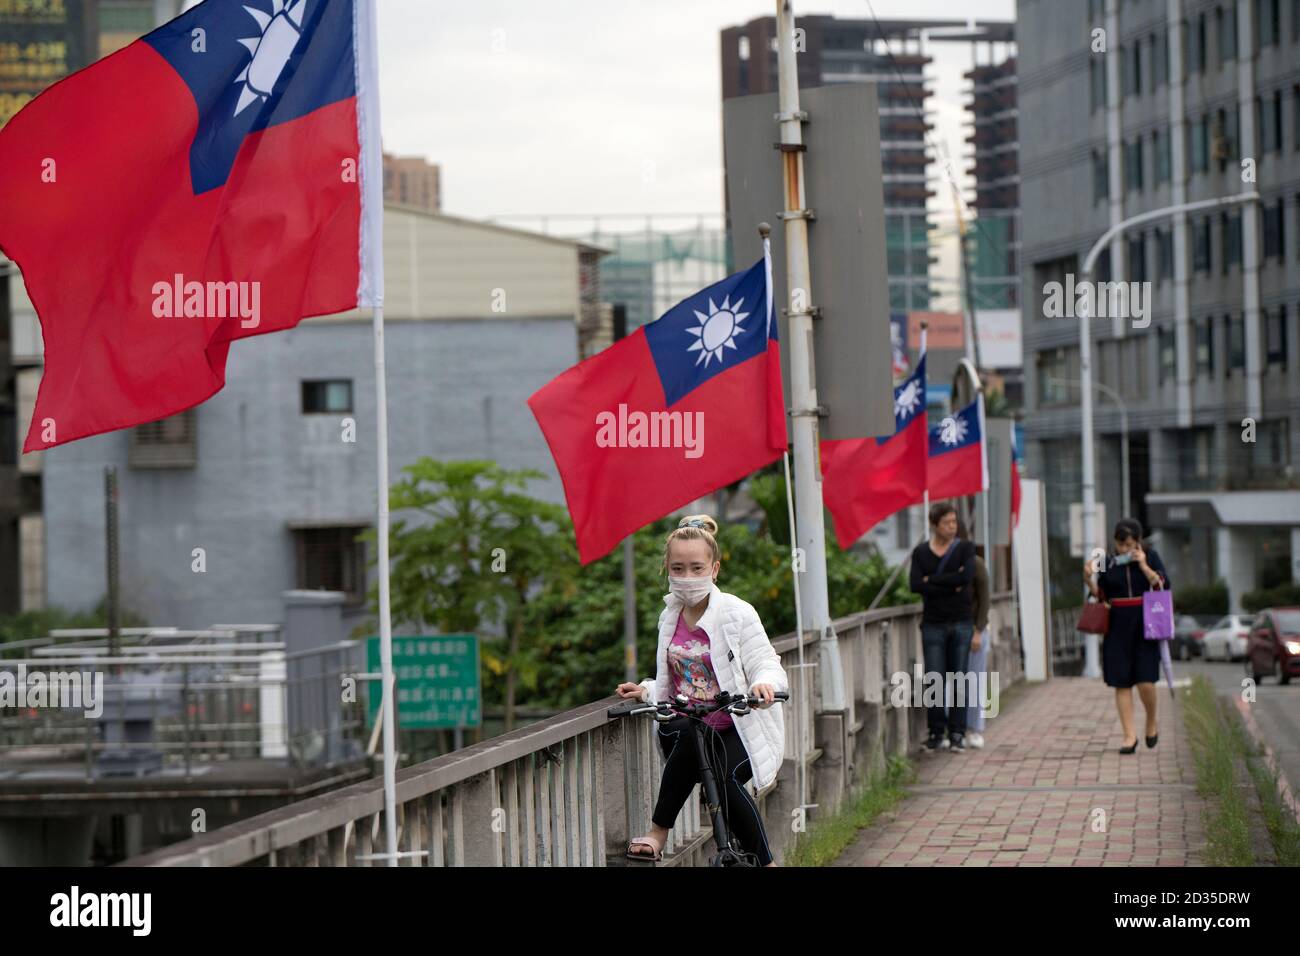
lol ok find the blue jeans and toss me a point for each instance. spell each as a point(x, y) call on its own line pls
point(979, 664)
point(947, 650)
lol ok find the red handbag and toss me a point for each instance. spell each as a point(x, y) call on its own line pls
point(1095, 618)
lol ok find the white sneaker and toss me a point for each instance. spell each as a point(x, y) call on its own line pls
point(975, 740)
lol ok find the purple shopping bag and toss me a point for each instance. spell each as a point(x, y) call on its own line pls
point(1158, 615)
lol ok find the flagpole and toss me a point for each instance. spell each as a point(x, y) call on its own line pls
point(371, 292)
point(388, 700)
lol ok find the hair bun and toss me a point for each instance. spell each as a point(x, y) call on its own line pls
point(704, 522)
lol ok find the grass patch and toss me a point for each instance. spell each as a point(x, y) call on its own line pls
point(1222, 746)
point(830, 836)
point(1217, 744)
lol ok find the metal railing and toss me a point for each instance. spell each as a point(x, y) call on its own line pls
point(179, 698)
point(573, 789)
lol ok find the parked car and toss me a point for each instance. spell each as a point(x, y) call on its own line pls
point(1274, 645)
point(1226, 641)
point(1189, 632)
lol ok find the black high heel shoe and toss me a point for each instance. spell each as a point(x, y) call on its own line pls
point(1129, 750)
point(1151, 741)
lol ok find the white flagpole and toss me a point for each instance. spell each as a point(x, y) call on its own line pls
point(371, 292)
point(925, 407)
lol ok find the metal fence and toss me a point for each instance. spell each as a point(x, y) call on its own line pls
point(171, 698)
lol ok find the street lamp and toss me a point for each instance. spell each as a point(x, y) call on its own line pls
point(1092, 665)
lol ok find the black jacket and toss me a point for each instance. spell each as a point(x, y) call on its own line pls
point(946, 597)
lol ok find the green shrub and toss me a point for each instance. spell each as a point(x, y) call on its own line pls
point(1201, 598)
point(1284, 595)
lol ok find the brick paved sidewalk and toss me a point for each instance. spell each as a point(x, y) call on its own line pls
point(1050, 761)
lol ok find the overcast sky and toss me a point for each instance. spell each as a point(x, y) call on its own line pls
point(594, 106)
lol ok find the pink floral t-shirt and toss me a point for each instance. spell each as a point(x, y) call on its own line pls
point(691, 667)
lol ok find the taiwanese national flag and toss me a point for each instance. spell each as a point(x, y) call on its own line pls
point(681, 407)
point(204, 184)
point(865, 480)
point(956, 465)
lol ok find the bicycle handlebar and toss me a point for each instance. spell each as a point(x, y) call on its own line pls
point(724, 701)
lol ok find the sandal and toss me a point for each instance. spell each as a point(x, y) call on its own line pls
point(654, 856)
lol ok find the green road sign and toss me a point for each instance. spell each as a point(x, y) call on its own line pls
point(438, 683)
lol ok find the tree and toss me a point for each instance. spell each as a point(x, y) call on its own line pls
point(476, 551)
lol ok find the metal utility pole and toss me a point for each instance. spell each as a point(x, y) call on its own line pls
point(629, 554)
point(810, 519)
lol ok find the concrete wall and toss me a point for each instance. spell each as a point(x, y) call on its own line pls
point(456, 390)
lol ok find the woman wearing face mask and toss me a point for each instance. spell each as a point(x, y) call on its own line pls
point(711, 641)
point(1128, 659)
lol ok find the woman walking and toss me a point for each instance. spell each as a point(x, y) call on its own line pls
point(1128, 659)
point(711, 641)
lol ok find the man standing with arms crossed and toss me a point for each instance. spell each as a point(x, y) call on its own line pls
point(943, 569)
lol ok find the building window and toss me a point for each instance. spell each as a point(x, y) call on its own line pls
point(1231, 224)
point(1201, 244)
point(1266, 22)
point(1160, 58)
point(1196, 46)
point(1133, 164)
point(1199, 145)
point(1048, 271)
point(1102, 266)
point(1164, 155)
point(1100, 177)
point(1133, 70)
point(1097, 83)
point(1273, 239)
point(332, 396)
point(1275, 337)
point(1236, 334)
point(1057, 371)
point(1225, 25)
point(1223, 145)
point(1205, 349)
point(1137, 258)
point(167, 443)
point(1166, 342)
point(1295, 106)
point(1270, 452)
point(1192, 449)
point(1134, 378)
point(1164, 254)
point(332, 559)
point(1268, 117)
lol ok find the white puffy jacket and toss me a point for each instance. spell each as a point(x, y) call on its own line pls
point(742, 657)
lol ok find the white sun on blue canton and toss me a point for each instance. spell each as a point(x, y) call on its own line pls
point(908, 399)
point(952, 431)
point(717, 330)
point(281, 29)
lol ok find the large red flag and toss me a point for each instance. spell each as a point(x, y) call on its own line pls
point(865, 480)
point(169, 199)
point(685, 405)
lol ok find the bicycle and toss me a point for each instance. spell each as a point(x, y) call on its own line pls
point(729, 851)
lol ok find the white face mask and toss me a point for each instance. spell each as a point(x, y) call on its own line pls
point(690, 590)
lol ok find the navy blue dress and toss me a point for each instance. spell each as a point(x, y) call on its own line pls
point(1128, 658)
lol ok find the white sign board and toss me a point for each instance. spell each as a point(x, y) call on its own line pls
point(999, 338)
point(1076, 528)
point(1029, 546)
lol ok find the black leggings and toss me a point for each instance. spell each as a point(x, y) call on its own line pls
point(682, 772)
